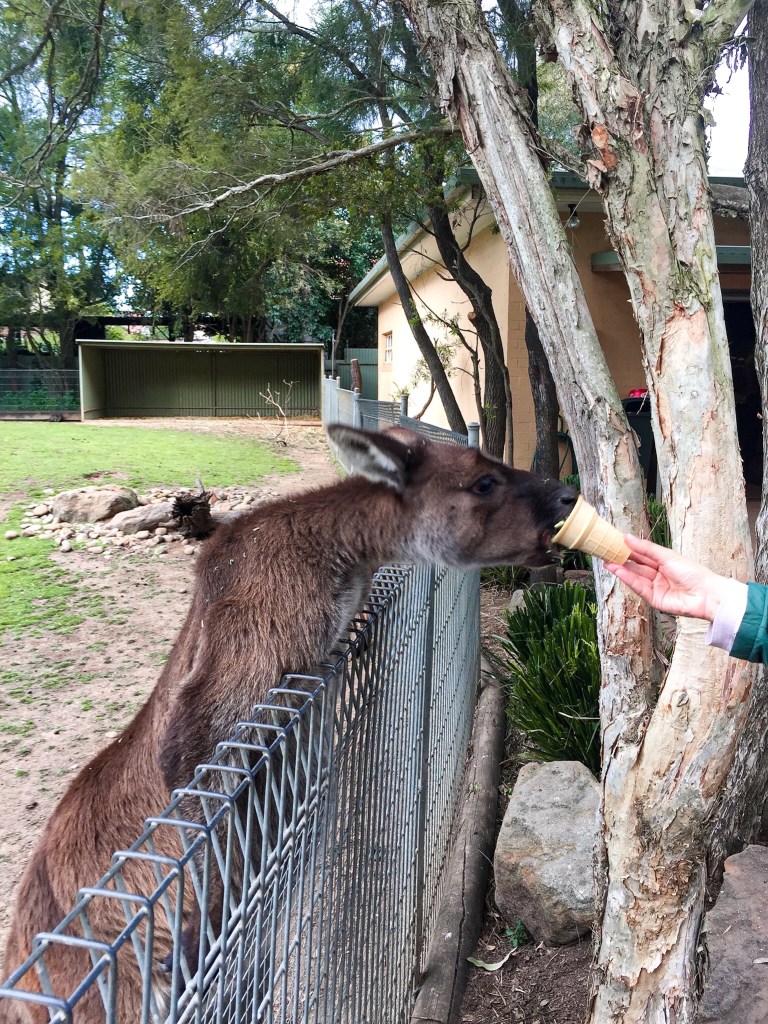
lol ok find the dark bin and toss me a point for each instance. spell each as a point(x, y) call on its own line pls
point(638, 412)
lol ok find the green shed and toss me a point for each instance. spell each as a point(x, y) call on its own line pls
point(162, 378)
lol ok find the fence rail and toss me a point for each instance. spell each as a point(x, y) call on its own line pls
point(297, 877)
point(340, 405)
point(39, 390)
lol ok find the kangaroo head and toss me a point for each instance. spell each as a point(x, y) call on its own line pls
point(457, 505)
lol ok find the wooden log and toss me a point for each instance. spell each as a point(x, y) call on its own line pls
point(460, 918)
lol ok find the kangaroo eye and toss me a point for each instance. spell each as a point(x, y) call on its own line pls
point(483, 486)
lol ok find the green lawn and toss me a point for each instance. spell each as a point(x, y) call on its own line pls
point(35, 593)
point(62, 455)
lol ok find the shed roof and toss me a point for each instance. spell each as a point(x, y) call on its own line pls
point(202, 346)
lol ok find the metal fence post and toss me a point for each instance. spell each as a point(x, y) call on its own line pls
point(357, 416)
point(473, 435)
point(424, 780)
point(403, 406)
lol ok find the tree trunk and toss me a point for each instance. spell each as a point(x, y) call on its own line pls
point(741, 819)
point(422, 338)
point(546, 409)
point(497, 402)
point(666, 754)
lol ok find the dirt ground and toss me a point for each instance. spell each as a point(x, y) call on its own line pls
point(64, 696)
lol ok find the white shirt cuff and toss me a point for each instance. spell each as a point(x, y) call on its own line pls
point(725, 625)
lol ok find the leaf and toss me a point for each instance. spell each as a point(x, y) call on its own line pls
point(490, 967)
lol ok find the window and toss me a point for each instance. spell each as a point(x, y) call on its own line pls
point(388, 347)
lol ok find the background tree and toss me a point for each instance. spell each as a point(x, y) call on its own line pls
point(55, 263)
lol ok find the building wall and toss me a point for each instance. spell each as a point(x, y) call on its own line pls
point(438, 298)
point(607, 295)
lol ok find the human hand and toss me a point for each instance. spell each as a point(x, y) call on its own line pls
point(670, 582)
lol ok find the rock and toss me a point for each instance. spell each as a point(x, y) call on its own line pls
point(143, 518)
point(11, 534)
point(161, 531)
point(40, 510)
point(516, 601)
point(189, 549)
point(543, 860)
point(736, 930)
point(93, 504)
point(65, 546)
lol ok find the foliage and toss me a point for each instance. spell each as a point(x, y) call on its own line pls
point(507, 577)
point(519, 935)
point(553, 664)
point(39, 400)
point(38, 455)
point(657, 517)
point(55, 262)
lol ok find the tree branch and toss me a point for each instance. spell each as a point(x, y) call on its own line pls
point(730, 200)
point(332, 162)
point(27, 62)
point(720, 20)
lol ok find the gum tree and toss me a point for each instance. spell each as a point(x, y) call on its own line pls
point(639, 70)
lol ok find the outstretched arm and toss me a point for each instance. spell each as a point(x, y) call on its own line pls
point(670, 582)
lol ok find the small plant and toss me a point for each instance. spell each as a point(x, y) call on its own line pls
point(553, 665)
point(657, 518)
point(519, 935)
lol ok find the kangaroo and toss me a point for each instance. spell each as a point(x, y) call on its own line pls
point(276, 588)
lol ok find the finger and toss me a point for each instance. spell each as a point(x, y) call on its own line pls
point(648, 552)
point(632, 570)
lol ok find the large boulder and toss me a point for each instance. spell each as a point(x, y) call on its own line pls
point(736, 929)
point(143, 517)
point(93, 504)
point(543, 861)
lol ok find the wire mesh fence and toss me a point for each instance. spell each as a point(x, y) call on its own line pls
point(39, 390)
point(343, 406)
point(297, 876)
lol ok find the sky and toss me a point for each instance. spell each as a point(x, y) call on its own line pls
point(728, 138)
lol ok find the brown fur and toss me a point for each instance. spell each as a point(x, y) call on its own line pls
point(275, 590)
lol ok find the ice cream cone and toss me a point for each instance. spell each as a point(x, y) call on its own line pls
point(584, 530)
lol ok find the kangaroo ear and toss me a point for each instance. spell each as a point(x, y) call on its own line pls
point(383, 458)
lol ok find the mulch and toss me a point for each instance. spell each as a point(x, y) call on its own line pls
point(538, 984)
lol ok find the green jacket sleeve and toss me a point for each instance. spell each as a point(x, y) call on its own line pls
point(751, 643)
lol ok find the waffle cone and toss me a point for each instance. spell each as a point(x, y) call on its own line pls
point(584, 530)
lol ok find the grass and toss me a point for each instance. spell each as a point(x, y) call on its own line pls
point(35, 593)
point(64, 455)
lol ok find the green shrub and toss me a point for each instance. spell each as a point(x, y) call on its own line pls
point(38, 400)
point(114, 332)
point(508, 577)
point(553, 667)
point(657, 517)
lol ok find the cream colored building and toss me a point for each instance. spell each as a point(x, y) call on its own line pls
point(606, 291)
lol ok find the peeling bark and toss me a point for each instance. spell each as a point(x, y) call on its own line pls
point(638, 71)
